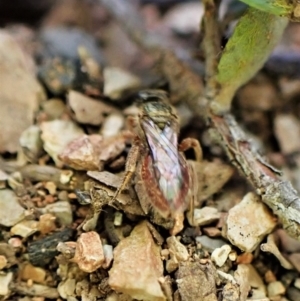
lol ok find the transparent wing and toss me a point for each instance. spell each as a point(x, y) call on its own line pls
point(168, 163)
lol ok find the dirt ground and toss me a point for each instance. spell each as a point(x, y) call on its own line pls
point(94, 93)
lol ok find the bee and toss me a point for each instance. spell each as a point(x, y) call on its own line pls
point(163, 176)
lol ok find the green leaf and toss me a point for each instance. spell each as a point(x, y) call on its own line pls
point(254, 38)
point(276, 7)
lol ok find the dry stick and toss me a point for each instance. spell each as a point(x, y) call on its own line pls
point(211, 45)
point(278, 195)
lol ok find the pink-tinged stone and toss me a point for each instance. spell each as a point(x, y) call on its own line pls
point(91, 152)
point(138, 266)
point(89, 253)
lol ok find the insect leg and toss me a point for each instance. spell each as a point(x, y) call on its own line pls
point(188, 143)
point(130, 167)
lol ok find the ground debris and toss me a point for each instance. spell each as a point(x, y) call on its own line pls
point(43, 250)
point(271, 247)
point(101, 118)
point(35, 290)
point(197, 281)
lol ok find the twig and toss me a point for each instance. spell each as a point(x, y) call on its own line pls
point(211, 46)
point(278, 195)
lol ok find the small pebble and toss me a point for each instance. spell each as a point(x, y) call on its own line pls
point(46, 223)
point(109, 256)
point(88, 110)
point(31, 143)
point(245, 258)
point(164, 253)
point(51, 187)
point(118, 220)
point(205, 216)
point(117, 81)
point(54, 108)
point(5, 280)
point(11, 211)
point(270, 277)
point(89, 254)
point(297, 283)
point(65, 176)
point(242, 228)
point(66, 289)
point(138, 274)
point(15, 242)
point(112, 125)
point(3, 262)
point(275, 288)
point(212, 231)
point(62, 211)
point(25, 228)
point(210, 244)
point(295, 260)
point(220, 255)
point(56, 135)
point(177, 249)
point(33, 273)
point(232, 256)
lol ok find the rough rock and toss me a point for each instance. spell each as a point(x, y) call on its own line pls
point(62, 210)
point(66, 288)
point(11, 211)
point(88, 110)
point(247, 277)
point(248, 223)
point(25, 228)
point(205, 216)
point(210, 244)
point(5, 280)
point(137, 266)
point(196, 281)
point(117, 81)
point(184, 17)
point(54, 108)
point(91, 152)
point(3, 262)
point(275, 288)
point(82, 153)
point(295, 260)
point(287, 129)
point(89, 253)
point(30, 272)
point(211, 176)
point(112, 125)
point(57, 134)
point(178, 252)
point(31, 143)
point(287, 243)
point(220, 255)
point(20, 93)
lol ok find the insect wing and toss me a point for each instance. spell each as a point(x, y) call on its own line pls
point(168, 163)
